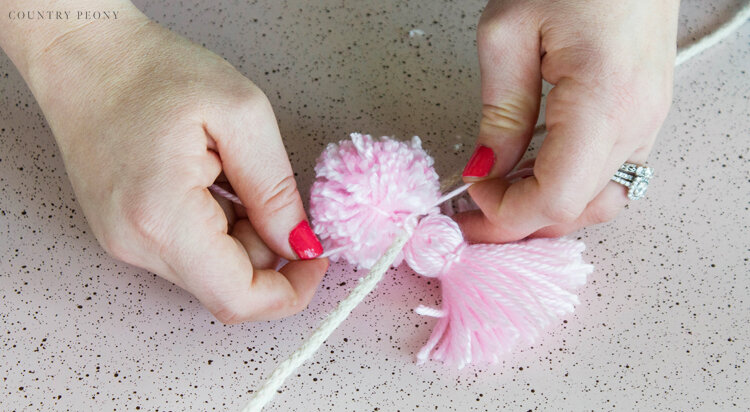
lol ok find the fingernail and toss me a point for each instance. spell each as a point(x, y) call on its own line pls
point(304, 242)
point(481, 162)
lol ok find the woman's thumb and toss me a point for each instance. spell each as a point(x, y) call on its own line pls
point(509, 63)
point(256, 165)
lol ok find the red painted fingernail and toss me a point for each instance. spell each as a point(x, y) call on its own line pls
point(481, 162)
point(304, 242)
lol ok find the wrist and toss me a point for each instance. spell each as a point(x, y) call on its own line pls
point(26, 33)
point(57, 45)
point(73, 66)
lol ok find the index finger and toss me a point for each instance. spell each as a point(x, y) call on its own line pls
point(216, 268)
point(567, 173)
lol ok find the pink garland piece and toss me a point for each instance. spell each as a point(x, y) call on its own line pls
point(365, 190)
point(493, 296)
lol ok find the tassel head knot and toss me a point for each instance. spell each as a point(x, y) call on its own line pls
point(436, 244)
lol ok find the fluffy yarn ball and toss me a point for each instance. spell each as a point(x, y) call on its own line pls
point(364, 191)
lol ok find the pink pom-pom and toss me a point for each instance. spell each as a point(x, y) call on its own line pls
point(493, 295)
point(365, 190)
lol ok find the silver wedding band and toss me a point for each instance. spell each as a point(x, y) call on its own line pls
point(635, 178)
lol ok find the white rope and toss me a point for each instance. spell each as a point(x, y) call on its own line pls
point(686, 53)
point(267, 391)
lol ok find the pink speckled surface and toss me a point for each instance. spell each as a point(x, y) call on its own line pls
point(664, 322)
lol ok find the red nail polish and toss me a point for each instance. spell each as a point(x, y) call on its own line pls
point(481, 162)
point(304, 242)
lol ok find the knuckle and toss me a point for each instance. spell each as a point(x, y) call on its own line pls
point(288, 306)
point(662, 109)
point(490, 21)
point(487, 29)
point(552, 231)
point(637, 97)
point(300, 304)
point(587, 61)
point(281, 195)
point(285, 307)
point(225, 306)
point(501, 19)
point(114, 246)
point(252, 101)
point(146, 224)
point(228, 311)
point(639, 101)
point(562, 209)
point(602, 213)
point(506, 116)
point(598, 64)
point(227, 315)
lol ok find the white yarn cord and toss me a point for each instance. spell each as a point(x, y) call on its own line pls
point(686, 53)
point(266, 392)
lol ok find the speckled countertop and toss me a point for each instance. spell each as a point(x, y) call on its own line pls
point(664, 321)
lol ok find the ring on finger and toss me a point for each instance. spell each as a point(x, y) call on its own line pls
point(635, 178)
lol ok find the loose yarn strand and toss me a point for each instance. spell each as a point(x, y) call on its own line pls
point(225, 194)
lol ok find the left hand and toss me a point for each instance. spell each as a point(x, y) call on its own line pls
point(611, 64)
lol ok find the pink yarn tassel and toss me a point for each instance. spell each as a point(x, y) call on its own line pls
point(493, 295)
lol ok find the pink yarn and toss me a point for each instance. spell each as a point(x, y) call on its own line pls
point(493, 296)
point(364, 191)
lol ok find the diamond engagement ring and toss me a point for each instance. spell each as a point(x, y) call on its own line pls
point(635, 178)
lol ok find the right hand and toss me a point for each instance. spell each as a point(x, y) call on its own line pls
point(146, 121)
